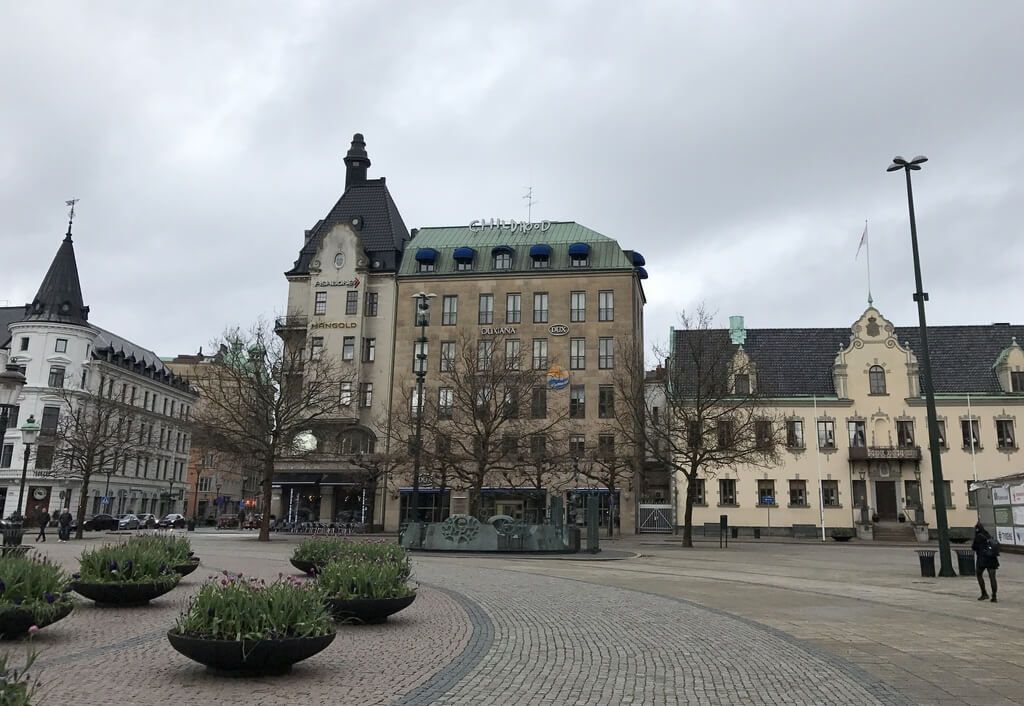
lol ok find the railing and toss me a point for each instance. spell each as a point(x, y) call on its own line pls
point(291, 322)
point(891, 453)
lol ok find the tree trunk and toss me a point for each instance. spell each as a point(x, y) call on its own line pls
point(475, 495)
point(82, 504)
point(268, 492)
point(688, 511)
point(611, 508)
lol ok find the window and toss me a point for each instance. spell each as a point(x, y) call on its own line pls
point(424, 266)
point(905, 433)
point(830, 493)
point(486, 309)
point(741, 384)
point(578, 260)
point(606, 402)
point(540, 308)
point(876, 380)
point(540, 354)
point(348, 348)
point(539, 403)
point(48, 425)
point(463, 265)
point(44, 457)
point(351, 302)
point(766, 492)
point(510, 405)
point(513, 308)
point(369, 350)
point(1016, 380)
point(24, 343)
point(442, 445)
point(5, 455)
point(795, 433)
point(857, 434)
point(912, 490)
point(606, 353)
point(577, 402)
point(606, 305)
point(484, 354)
point(763, 434)
point(578, 354)
point(694, 435)
point(941, 424)
point(419, 356)
point(538, 444)
point(509, 444)
point(503, 260)
point(447, 356)
point(415, 403)
point(726, 491)
point(699, 497)
point(826, 434)
point(947, 493)
point(972, 437)
point(370, 304)
point(320, 303)
point(578, 307)
point(61, 346)
point(1004, 434)
point(449, 310)
point(577, 445)
point(204, 484)
point(316, 347)
point(12, 416)
point(445, 402)
point(365, 394)
point(798, 493)
point(346, 393)
point(606, 446)
point(972, 496)
point(725, 433)
point(513, 350)
point(56, 376)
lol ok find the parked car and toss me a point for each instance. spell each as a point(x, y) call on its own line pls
point(227, 521)
point(129, 521)
point(172, 520)
point(100, 522)
point(148, 520)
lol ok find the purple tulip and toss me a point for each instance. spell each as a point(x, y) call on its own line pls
point(50, 598)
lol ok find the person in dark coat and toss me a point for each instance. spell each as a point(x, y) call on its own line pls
point(44, 520)
point(64, 523)
point(987, 559)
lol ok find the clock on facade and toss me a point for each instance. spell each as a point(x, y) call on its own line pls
point(39, 493)
point(339, 260)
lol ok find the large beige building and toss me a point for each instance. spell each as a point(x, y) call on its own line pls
point(856, 431)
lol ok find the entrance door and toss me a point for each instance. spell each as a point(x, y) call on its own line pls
point(38, 500)
point(885, 494)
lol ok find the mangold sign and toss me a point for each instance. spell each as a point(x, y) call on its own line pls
point(333, 324)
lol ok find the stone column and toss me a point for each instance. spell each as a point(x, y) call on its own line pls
point(327, 504)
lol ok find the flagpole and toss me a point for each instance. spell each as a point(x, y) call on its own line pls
point(867, 244)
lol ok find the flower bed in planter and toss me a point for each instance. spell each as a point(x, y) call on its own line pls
point(188, 567)
point(246, 625)
point(33, 594)
point(127, 574)
point(361, 591)
point(314, 554)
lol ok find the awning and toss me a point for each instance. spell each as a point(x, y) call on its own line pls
point(579, 249)
point(641, 272)
point(463, 254)
point(296, 479)
point(540, 251)
point(638, 260)
point(426, 255)
point(425, 490)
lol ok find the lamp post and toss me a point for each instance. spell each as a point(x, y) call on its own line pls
point(217, 499)
point(195, 499)
point(575, 488)
point(420, 368)
point(919, 509)
point(864, 497)
point(29, 434)
point(942, 526)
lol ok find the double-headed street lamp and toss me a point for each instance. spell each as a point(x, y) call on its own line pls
point(420, 368)
point(29, 434)
point(946, 565)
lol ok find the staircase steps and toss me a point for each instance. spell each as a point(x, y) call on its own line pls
point(894, 532)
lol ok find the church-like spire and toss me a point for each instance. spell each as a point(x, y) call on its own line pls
point(59, 298)
point(356, 162)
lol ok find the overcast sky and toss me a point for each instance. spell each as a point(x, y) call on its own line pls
point(739, 146)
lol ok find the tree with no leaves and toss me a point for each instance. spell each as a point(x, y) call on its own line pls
point(707, 413)
point(259, 396)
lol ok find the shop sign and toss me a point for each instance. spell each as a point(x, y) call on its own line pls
point(498, 331)
point(1017, 495)
point(510, 225)
point(333, 324)
point(1000, 495)
point(1003, 516)
point(1018, 515)
point(558, 377)
point(1005, 535)
point(558, 329)
point(337, 283)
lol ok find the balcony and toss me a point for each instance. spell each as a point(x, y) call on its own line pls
point(291, 323)
point(887, 453)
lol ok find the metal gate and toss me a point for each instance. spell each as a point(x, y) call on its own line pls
point(655, 519)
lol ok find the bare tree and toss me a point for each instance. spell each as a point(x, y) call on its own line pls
point(96, 434)
point(610, 470)
point(260, 396)
point(709, 412)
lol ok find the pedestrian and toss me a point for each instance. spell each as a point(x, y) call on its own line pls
point(64, 526)
point(44, 519)
point(986, 552)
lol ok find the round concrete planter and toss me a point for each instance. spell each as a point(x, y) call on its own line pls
point(256, 657)
point(15, 620)
point(188, 567)
point(123, 594)
point(366, 611)
point(307, 567)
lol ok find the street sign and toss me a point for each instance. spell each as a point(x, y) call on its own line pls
point(767, 500)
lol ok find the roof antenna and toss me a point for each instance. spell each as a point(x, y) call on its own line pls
point(529, 203)
point(71, 215)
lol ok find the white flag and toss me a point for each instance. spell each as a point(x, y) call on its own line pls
point(863, 241)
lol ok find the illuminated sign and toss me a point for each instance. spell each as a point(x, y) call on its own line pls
point(558, 377)
point(511, 225)
point(498, 331)
point(337, 283)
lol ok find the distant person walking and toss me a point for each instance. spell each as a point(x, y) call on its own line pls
point(64, 526)
point(986, 551)
point(44, 519)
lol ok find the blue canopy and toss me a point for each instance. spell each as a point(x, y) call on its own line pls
point(579, 249)
point(464, 254)
point(638, 260)
point(426, 255)
point(641, 272)
point(540, 251)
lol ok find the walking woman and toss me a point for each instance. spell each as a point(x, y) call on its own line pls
point(987, 554)
point(44, 520)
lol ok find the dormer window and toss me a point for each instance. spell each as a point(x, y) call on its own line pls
point(741, 384)
point(541, 256)
point(464, 258)
point(426, 260)
point(502, 258)
point(579, 255)
point(1017, 381)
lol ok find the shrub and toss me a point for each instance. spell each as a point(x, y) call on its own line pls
point(177, 549)
point(960, 535)
point(16, 686)
point(841, 533)
point(33, 584)
point(324, 550)
point(348, 579)
point(238, 608)
point(126, 563)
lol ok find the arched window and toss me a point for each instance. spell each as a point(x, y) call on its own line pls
point(355, 441)
point(876, 380)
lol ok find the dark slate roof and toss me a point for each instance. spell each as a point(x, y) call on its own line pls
point(382, 230)
point(107, 340)
point(59, 298)
point(8, 315)
point(798, 361)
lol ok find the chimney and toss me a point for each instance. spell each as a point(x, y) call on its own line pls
point(356, 162)
point(737, 334)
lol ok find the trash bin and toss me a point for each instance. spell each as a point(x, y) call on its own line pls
point(927, 559)
point(574, 539)
point(191, 525)
point(965, 561)
point(735, 532)
point(757, 533)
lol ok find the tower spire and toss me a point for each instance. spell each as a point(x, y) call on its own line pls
point(356, 161)
point(71, 216)
point(59, 298)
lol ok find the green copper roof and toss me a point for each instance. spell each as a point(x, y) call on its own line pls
point(605, 253)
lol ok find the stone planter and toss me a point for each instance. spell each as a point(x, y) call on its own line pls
point(188, 567)
point(123, 594)
point(865, 531)
point(15, 620)
point(366, 611)
point(307, 567)
point(921, 532)
point(256, 657)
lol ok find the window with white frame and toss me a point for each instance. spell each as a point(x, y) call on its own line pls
point(320, 303)
point(577, 354)
point(316, 347)
point(577, 307)
point(449, 310)
point(447, 356)
point(606, 305)
point(486, 309)
point(1004, 434)
point(606, 353)
point(346, 393)
point(513, 308)
point(348, 348)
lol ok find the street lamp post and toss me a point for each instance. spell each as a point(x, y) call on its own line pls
point(29, 434)
point(218, 501)
point(919, 509)
point(420, 368)
point(942, 526)
point(575, 488)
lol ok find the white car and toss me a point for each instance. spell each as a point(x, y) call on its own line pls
point(128, 522)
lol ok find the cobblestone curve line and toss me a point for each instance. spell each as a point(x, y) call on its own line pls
point(564, 641)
